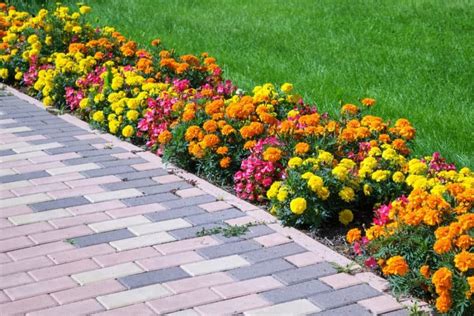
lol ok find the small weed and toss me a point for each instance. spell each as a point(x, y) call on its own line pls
point(348, 268)
point(70, 241)
point(227, 231)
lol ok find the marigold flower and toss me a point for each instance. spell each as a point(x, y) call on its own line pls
point(302, 148)
point(272, 154)
point(295, 162)
point(165, 137)
point(347, 194)
point(315, 182)
point(442, 245)
point(425, 271)
point(286, 87)
point(225, 162)
point(464, 261)
point(298, 205)
point(210, 126)
point(396, 266)
point(464, 242)
point(353, 235)
point(442, 280)
point(210, 140)
point(128, 131)
point(368, 102)
point(192, 133)
point(349, 109)
point(98, 116)
point(223, 150)
point(443, 302)
point(346, 216)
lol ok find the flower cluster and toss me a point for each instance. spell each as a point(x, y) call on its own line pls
point(424, 242)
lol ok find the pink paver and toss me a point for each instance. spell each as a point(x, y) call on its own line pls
point(3, 298)
point(58, 178)
point(171, 260)
point(27, 305)
point(81, 253)
point(63, 269)
point(381, 304)
point(91, 290)
point(25, 230)
point(96, 207)
point(39, 167)
point(247, 287)
point(235, 305)
point(75, 192)
point(86, 307)
point(16, 279)
point(340, 280)
point(39, 189)
point(40, 250)
point(136, 210)
point(187, 244)
point(15, 243)
point(15, 210)
point(59, 157)
point(207, 280)
point(183, 301)
point(80, 219)
point(304, 259)
point(126, 256)
point(61, 234)
point(37, 288)
point(272, 240)
point(5, 194)
point(137, 309)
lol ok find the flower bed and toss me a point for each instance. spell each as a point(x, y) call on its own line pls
point(311, 168)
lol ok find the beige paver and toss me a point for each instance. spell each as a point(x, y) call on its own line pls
point(215, 265)
point(159, 226)
point(134, 296)
point(298, 307)
point(142, 241)
point(107, 273)
point(119, 223)
point(112, 195)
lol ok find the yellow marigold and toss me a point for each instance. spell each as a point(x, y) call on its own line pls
point(442, 280)
point(302, 148)
point(396, 266)
point(165, 137)
point(443, 302)
point(442, 245)
point(367, 190)
point(295, 162)
point(98, 116)
point(84, 103)
point(464, 261)
point(340, 173)
point(225, 162)
point(210, 126)
point(286, 87)
point(425, 271)
point(272, 154)
point(398, 177)
point(273, 191)
point(346, 216)
point(325, 157)
point(347, 194)
point(315, 182)
point(298, 205)
point(353, 235)
point(368, 102)
point(380, 175)
point(128, 131)
point(132, 115)
point(282, 194)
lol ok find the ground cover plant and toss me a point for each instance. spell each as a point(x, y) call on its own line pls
point(312, 168)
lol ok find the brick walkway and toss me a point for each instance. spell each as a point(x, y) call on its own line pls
point(90, 224)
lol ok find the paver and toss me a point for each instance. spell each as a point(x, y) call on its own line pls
point(153, 277)
point(100, 238)
point(133, 296)
point(344, 296)
point(141, 242)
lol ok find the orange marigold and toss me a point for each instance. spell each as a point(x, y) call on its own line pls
point(192, 133)
point(464, 261)
point(249, 144)
point(210, 126)
point(223, 150)
point(349, 109)
point(210, 140)
point(165, 137)
point(442, 245)
point(272, 154)
point(465, 242)
point(227, 130)
point(368, 102)
point(302, 148)
point(443, 302)
point(353, 235)
point(396, 266)
point(442, 280)
point(425, 271)
point(225, 162)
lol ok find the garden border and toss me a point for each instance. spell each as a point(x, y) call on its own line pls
point(249, 209)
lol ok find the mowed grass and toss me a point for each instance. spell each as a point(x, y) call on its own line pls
point(415, 57)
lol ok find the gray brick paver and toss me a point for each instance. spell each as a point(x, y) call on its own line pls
point(100, 238)
point(296, 291)
point(60, 203)
point(306, 273)
point(349, 310)
point(261, 269)
point(153, 277)
point(344, 296)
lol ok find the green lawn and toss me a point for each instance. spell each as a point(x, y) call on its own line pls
point(414, 57)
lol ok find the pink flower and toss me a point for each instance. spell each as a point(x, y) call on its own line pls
point(371, 263)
